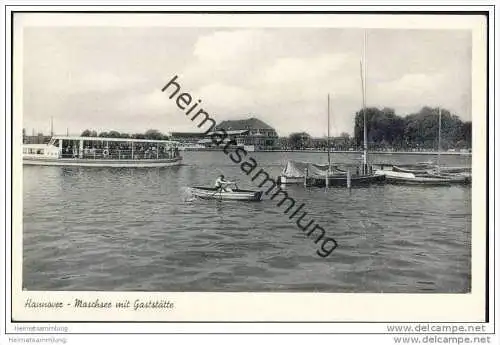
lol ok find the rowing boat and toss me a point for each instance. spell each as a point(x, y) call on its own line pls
point(220, 194)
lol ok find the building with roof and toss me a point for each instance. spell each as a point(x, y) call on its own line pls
point(187, 137)
point(251, 132)
point(40, 138)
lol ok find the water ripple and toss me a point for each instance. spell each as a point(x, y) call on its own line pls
point(140, 230)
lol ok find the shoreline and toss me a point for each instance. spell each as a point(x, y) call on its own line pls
point(427, 153)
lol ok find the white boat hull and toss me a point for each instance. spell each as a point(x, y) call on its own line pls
point(101, 163)
point(394, 174)
point(396, 177)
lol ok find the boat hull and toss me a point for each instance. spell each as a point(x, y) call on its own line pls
point(418, 181)
point(291, 180)
point(404, 178)
point(295, 171)
point(456, 170)
point(456, 178)
point(115, 163)
point(234, 195)
point(341, 181)
point(427, 176)
point(422, 171)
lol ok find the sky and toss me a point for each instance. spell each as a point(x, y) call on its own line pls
point(110, 78)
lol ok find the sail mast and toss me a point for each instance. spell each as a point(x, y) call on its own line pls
point(439, 141)
point(363, 86)
point(328, 135)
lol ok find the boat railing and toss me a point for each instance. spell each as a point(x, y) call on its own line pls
point(119, 154)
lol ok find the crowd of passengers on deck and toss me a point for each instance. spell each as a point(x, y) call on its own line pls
point(121, 152)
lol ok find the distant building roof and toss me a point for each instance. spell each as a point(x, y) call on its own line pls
point(252, 123)
point(243, 131)
point(202, 134)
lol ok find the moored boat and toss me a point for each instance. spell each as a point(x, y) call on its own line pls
point(456, 170)
point(363, 176)
point(428, 173)
point(346, 181)
point(462, 174)
point(447, 172)
point(403, 178)
point(220, 194)
point(462, 177)
point(413, 170)
point(295, 172)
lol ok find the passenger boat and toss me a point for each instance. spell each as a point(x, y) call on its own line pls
point(102, 152)
point(220, 194)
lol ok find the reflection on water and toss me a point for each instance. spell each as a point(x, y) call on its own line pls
point(140, 229)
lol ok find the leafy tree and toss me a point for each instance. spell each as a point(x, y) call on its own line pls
point(88, 133)
point(153, 134)
point(417, 130)
point(466, 134)
point(114, 134)
point(298, 141)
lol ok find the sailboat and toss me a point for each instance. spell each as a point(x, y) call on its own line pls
point(426, 175)
point(295, 172)
point(363, 176)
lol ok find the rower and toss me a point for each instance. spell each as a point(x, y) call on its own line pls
point(221, 184)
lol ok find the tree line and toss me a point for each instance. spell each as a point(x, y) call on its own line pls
point(414, 131)
point(387, 130)
point(150, 134)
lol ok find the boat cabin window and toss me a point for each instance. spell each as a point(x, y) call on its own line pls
point(33, 151)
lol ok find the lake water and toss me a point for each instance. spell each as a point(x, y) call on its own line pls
point(141, 230)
